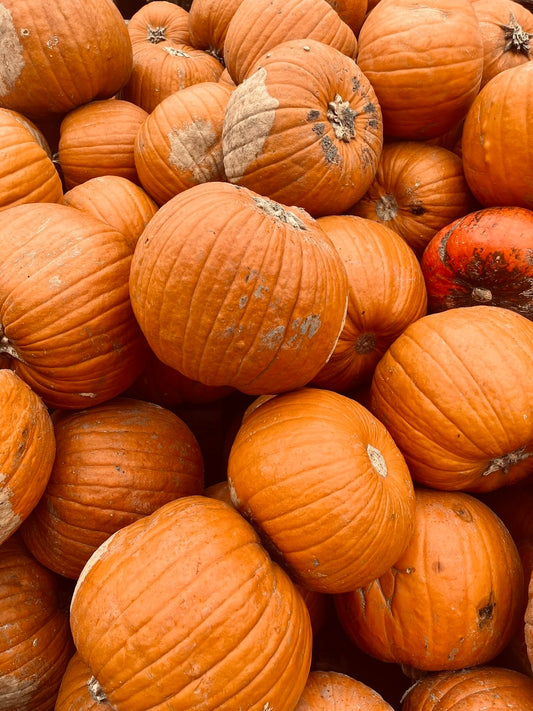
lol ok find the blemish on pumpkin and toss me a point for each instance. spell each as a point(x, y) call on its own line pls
point(11, 58)
point(330, 150)
point(309, 325)
point(174, 52)
point(463, 514)
point(386, 207)
point(273, 338)
point(191, 149)
point(377, 460)
point(52, 41)
point(55, 282)
point(437, 566)
point(313, 115)
point(9, 520)
point(274, 209)
point(485, 614)
point(319, 128)
point(243, 301)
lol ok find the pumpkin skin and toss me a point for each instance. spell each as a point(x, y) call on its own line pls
point(114, 463)
point(478, 689)
point(497, 138)
point(27, 451)
point(92, 61)
point(334, 691)
point(65, 313)
point(119, 202)
point(74, 693)
point(335, 456)
point(159, 21)
point(453, 599)
point(528, 623)
point(27, 173)
point(262, 291)
point(425, 62)
point(98, 139)
point(455, 392)
point(232, 629)
point(257, 26)
point(208, 24)
point(36, 643)
point(417, 190)
point(386, 293)
point(306, 98)
point(506, 30)
point(180, 143)
point(483, 257)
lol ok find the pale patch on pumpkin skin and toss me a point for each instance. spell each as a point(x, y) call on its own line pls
point(191, 149)
point(249, 118)
point(11, 58)
point(9, 520)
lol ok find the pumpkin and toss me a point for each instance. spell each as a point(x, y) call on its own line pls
point(27, 173)
point(473, 689)
point(425, 62)
point(305, 99)
point(326, 486)
point(335, 691)
point(27, 451)
point(208, 24)
point(116, 200)
point(36, 642)
point(259, 25)
point(50, 65)
point(97, 139)
point(75, 689)
point(497, 138)
point(232, 630)
point(528, 623)
point(482, 258)
point(115, 462)
point(353, 12)
point(66, 322)
point(506, 30)
point(180, 143)
point(417, 190)
point(453, 599)
point(260, 289)
point(455, 392)
point(386, 294)
point(159, 21)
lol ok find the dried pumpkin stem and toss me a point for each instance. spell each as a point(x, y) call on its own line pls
point(517, 39)
point(386, 207)
point(7, 348)
point(156, 34)
point(95, 690)
point(504, 463)
point(342, 118)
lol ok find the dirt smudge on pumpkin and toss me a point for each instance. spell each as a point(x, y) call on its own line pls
point(248, 120)
point(193, 149)
point(11, 58)
point(331, 153)
point(9, 520)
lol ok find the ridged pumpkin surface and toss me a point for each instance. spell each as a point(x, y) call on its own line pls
point(333, 691)
point(232, 631)
point(74, 694)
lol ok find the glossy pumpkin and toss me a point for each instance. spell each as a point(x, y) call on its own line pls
point(486, 687)
point(75, 691)
point(335, 501)
point(232, 629)
point(425, 62)
point(483, 257)
point(115, 463)
point(66, 322)
point(455, 392)
point(334, 691)
point(453, 599)
point(497, 144)
point(27, 451)
point(50, 66)
point(417, 190)
point(261, 289)
point(304, 98)
point(386, 294)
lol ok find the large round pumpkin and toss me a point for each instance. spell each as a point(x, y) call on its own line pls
point(185, 608)
point(326, 486)
point(233, 289)
point(453, 599)
point(455, 390)
point(334, 691)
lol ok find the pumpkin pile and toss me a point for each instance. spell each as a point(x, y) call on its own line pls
point(266, 355)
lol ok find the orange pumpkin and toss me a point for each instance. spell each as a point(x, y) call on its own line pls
point(486, 687)
point(159, 21)
point(98, 139)
point(27, 451)
point(453, 599)
point(117, 201)
point(326, 486)
point(334, 691)
point(455, 391)
point(208, 24)
point(425, 62)
point(528, 623)
point(66, 321)
point(497, 138)
point(115, 462)
point(304, 98)
point(180, 143)
point(417, 190)
point(232, 630)
point(75, 690)
point(386, 294)
point(36, 642)
point(261, 290)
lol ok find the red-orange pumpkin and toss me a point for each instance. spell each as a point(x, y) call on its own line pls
point(232, 631)
point(453, 599)
point(75, 691)
point(334, 691)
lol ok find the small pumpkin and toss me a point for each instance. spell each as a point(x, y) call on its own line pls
point(334, 691)
point(159, 21)
point(75, 690)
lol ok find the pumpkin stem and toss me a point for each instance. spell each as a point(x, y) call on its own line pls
point(7, 347)
point(517, 39)
point(365, 343)
point(95, 690)
point(377, 460)
point(156, 34)
point(481, 295)
point(386, 207)
point(342, 118)
point(504, 463)
point(274, 209)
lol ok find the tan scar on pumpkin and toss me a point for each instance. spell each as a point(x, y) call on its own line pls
point(11, 58)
